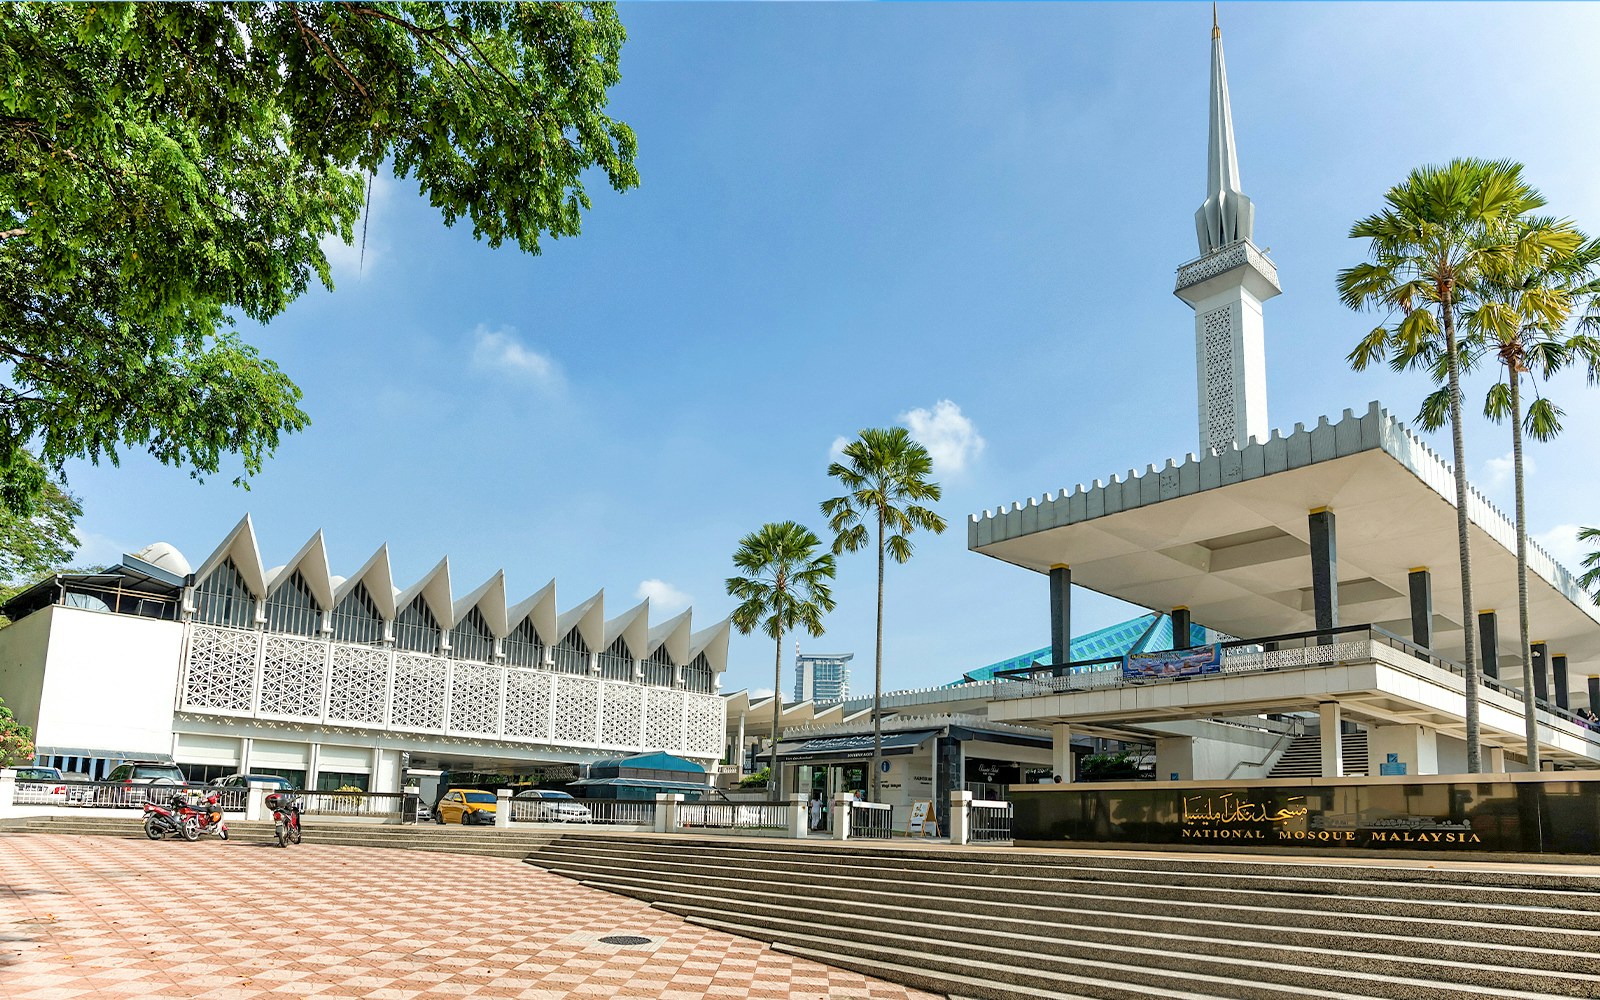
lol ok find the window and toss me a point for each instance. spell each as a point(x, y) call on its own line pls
point(523, 648)
point(697, 675)
point(659, 668)
point(355, 619)
point(616, 663)
point(333, 781)
point(416, 629)
point(291, 608)
point(223, 599)
point(294, 776)
point(471, 638)
point(572, 654)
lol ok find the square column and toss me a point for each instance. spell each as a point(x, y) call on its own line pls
point(1489, 642)
point(1414, 746)
point(1421, 607)
point(1182, 625)
point(1324, 571)
point(1594, 695)
point(1558, 664)
point(1494, 760)
point(1061, 751)
point(1332, 740)
point(1060, 614)
point(1175, 759)
point(1541, 671)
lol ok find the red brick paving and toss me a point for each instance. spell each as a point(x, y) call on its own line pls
point(103, 917)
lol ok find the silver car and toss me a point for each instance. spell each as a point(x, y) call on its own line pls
point(541, 806)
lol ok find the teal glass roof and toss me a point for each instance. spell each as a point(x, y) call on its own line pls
point(1147, 633)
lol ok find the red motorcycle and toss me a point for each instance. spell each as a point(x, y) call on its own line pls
point(207, 816)
point(286, 811)
point(161, 822)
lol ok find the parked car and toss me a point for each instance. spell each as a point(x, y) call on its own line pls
point(467, 806)
point(235, 788)
point(79, 790)
point(550, 807)
point(40, 786)
point(137, 780)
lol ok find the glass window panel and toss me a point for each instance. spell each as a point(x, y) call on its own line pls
point(292, 608)
point(223, 599)
point(416, 629)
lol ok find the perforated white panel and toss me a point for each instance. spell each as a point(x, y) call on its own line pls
point(1221, 428)
point(292, 673)
point(475, 699)
point(221, 670)
point(707, 724)
point(527, 704)
point(663, 719)
point(619, 724)
point(418, 692)
point(577, 708)
point(359, 685)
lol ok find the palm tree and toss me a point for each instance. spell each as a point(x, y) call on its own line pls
point(1442, 231)
point(782, 586)
point(885, 477)
point(1522, 319)
point(1590, 580)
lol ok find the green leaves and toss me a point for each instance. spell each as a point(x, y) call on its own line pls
point(885, 475)
point(165, 168)
point(783, 581)
point(16, 740)
point(1590, 580)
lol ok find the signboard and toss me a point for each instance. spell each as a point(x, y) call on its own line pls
point(1488, 813)
point(922, 822)
point(1172, 663)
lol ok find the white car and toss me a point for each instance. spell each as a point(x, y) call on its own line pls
point(40, 786)
point(541, 806)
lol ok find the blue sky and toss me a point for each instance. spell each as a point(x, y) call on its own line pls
point(960, 217)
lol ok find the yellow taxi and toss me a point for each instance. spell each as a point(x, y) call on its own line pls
point(467, 806)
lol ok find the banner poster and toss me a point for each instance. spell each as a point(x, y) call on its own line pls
point(1173, 663)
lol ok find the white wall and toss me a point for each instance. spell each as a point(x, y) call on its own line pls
point(22, 656)
point(110, 682)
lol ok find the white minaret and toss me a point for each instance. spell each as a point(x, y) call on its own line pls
point(1225, 287)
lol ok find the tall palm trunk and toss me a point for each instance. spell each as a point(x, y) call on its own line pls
point(1530, 718)
point(877, 682)
point(777, 713)
point(1468, 619)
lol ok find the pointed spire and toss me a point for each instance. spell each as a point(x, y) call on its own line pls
point(1226, 216)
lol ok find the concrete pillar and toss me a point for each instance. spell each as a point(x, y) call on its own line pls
point(1421, 607)
point(1061, 751)
point(1324, 571)
point(960, 815)
point(8, 790)
point(1558, 669)
point(1175, 759)
point(798, 816)
point(1541, 671)
point(254, 806)
point(1182, 627)
point(502, 808)
point(1489, 642)
point(1594, 695)
point(1494, 760)
point(666, 816)
point(1332, 740)
point(1060, 615)
point(1416, 747)
point(244, 754)
point(738, 762)
point(841, 815)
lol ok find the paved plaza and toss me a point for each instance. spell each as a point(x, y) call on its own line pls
point(104, 917)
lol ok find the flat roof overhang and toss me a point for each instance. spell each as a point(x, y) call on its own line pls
point(1227, 537)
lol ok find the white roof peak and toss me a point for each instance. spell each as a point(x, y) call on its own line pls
point(1226, 216)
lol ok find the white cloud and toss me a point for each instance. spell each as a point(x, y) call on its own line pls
point(351, 261)
point(1498, 472)
point(756, 694)
point(836, 450)
point(97, 550)
point(663, 596)
point(500, 351)
point(952, 441)
point(1563, 545)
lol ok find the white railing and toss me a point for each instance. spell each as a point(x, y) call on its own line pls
point(734, 815)
point(281, 678)
point(990, 822)
point(871, 820)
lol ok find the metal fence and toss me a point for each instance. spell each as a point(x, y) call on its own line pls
point(871, 821)
point(380, 805)
point(734, 816)
point(990, 822)
point(622, 812)
point(103, 794)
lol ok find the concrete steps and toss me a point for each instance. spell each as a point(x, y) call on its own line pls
point(1013, 924)
point(1303, 757)
point(482, 841)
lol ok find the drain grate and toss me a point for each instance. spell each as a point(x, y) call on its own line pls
point(624, 939)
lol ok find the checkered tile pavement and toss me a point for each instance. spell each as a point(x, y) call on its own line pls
point(102, 917)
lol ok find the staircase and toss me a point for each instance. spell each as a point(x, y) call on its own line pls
point(1303, 757)
point(1009, 925)
point(482, 841)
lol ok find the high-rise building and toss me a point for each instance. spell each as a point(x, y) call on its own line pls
point(822, 676)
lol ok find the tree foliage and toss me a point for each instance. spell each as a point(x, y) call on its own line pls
point(16, 740)
point(1590, 580)
point(34, 545)
point(168, 168)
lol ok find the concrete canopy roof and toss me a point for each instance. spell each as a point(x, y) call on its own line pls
point(1227, 536)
